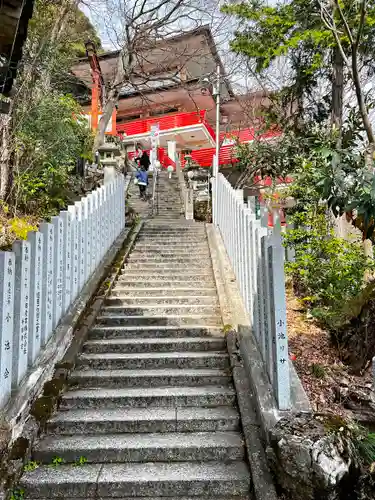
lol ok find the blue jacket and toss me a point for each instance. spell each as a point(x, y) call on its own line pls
point(142, 176)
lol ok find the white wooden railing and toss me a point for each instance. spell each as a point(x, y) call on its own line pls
point(41, 277)
point(257, 258)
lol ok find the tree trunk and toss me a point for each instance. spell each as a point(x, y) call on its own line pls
point(52, 42)
point(110, 104)
point(363, 111)
point(5, 155)
point(337, 92)
point(125, 63)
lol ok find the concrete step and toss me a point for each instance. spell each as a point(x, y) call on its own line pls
point(200, 239)
point(163, 259)
point(154, 360)
point(171, 240)
point(177, 267)
point(101, 331)
point(172, 377)
point(189, 344)
point(160, 310)
point(171, 252)
point(166, 320)
point(169, 293)
point(154, 498)
point(138, 420)
point(200, 276)
point(192, 262)
point(144, 447)
point(173, 233)
point(183, 247)
point(149, 397)
point(145, 480)
point(205, 300)
point(175, 230)
point(172, 286)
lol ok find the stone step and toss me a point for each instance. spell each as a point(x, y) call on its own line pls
point(138, 420)
point(171, 240)
point(192, 261)
point(168, 293)
point(160, 266)
point(150, 378)
point(154, 360)
point(145, 480)
point(149, 397)
point(171, 286)
point(164, 210)
point(189, 344)
point(206, 300)
point(163, 259)
point(157, 233)
point(144, 447)
point(170, 248)
point(160, 310)
point(130, 275)
point(166, 320)
point(101, 331)
point(167, 252)
point(180, 248)
point(154, 498)
point(175, 230)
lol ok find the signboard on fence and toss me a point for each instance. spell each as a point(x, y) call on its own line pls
point(155, 135)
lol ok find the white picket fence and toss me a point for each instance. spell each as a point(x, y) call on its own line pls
point(42, 276)
point(257, 258)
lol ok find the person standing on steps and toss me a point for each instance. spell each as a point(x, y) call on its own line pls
point(142, 178)
point(143, 159)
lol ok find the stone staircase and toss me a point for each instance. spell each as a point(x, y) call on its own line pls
point(151, 409)
point(168, 198)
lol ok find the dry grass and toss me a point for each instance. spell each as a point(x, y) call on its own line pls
point(317, 362)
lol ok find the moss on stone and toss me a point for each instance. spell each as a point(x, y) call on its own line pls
point(54, 387)
point(64, 365)
point(43, 408)
point(19, 449)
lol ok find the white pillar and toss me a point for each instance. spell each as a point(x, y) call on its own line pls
point(36, 283)
point(87, 219)
point(278, 316)
point(67, 256)
point(171, 150)
point(7, 273)
point(47, 289)
point(21, 311)
point(75, 253)
point(81, 245)
point(58, 285)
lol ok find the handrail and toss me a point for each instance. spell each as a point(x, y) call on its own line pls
point(154, 201)
point(185, 192)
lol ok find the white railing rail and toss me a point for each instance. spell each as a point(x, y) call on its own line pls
point(43, 275)
point(257, 258)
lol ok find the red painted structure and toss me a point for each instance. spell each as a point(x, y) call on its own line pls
point(204, 156)
point(168, 122)
point(98, 89)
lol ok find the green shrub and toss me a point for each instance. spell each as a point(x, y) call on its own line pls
point(327, 270)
